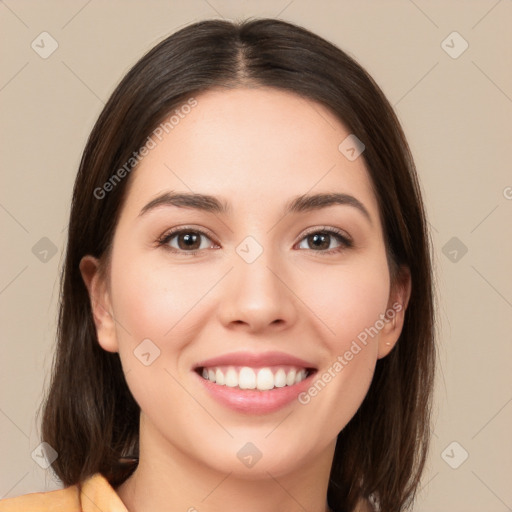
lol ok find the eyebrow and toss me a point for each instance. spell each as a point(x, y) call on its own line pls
point(202, 202)
point(211, 204)
point(310, 202)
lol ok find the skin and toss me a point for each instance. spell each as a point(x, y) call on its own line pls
point(293, 298)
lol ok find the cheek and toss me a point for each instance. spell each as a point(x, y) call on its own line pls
point(350, 300)
point(158, 308)
point(156, 301)
point(351, 303)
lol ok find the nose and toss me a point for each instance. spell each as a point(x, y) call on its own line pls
point(258, 296)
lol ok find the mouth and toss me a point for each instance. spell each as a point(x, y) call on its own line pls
point(253, 383)
point(254, 378)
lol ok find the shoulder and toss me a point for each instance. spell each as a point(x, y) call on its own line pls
point(94, 494)
point(63, 500)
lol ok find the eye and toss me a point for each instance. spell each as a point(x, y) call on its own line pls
point(186, 240)
point(326, 241)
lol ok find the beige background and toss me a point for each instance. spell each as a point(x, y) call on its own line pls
point(455, 111)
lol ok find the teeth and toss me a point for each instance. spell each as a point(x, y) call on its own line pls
point(265, 379)
point(290, 378)
point(262, 379)
point(219, 377)
point(231, 378)
point(247, 378)
point(280, 379)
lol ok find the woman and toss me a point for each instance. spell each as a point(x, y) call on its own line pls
point(247, 308)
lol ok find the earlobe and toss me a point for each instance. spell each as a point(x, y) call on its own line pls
point(100, 303)
point(395, 313)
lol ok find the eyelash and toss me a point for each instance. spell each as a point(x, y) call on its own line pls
point(169, 235)
point(345, 242)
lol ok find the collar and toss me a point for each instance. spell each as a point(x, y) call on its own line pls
point(97, 495)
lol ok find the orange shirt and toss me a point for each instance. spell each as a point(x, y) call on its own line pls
point(93, 495)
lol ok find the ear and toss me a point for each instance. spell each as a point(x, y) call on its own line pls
point(100, 303)
point(395, 312)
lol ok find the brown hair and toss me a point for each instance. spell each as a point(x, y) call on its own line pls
point(90, 416)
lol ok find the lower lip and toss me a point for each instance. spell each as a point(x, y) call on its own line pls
point(251, 401)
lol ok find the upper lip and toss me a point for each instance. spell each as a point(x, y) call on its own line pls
point(256, 360)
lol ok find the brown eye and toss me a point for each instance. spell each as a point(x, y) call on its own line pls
point(326, 241)
point(186, 240)
point(319, 241)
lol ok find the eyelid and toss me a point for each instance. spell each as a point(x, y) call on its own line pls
point(326, 229)
point(345, 239)
point(164, 239)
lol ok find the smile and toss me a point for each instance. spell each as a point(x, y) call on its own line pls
point(255, 383)
point(262, 379)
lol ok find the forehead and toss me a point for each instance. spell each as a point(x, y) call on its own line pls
point(253, 146)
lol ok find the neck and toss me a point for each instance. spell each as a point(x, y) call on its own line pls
point(167, 479)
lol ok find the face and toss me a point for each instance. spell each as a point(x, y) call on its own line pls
point(259, 284)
